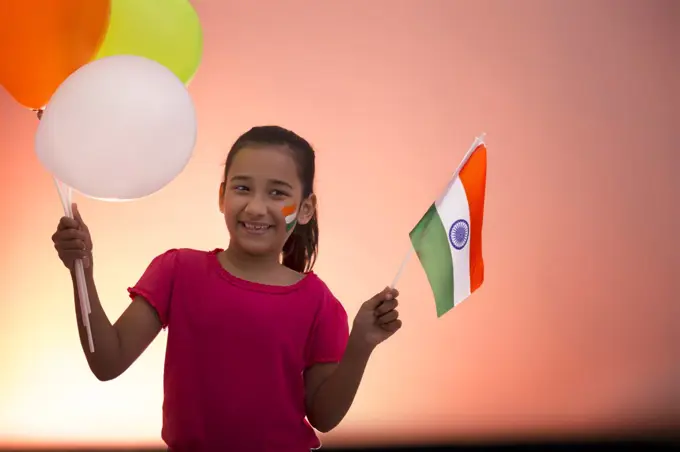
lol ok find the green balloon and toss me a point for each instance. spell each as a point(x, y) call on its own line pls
point(166, 31)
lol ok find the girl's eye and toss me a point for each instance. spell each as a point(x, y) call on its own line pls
point(240, 188)
point(279, 193)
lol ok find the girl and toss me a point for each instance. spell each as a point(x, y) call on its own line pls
point(258, 347)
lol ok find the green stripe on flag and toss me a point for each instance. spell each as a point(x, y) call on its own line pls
point(431, 243)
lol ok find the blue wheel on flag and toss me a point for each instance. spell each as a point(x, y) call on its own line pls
point(459, 234)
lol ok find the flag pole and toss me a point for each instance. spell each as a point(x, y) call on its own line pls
point(479, 140)
point(402, 267)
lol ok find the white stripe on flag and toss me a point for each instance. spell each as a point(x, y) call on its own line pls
point(451, 208)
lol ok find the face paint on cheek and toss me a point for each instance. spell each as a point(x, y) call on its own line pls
point(290, 215)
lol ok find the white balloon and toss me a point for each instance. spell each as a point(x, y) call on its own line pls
point(119, 128)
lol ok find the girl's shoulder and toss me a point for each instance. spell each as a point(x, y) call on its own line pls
point(182, 255)
point(180, 260)
point(322, 292)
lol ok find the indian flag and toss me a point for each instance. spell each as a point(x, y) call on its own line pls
point(290, 216)
point(448, 239)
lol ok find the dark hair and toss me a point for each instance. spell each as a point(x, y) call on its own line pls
point(302, 247)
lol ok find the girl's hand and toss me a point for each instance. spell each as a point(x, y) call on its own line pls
point(72, 240)
point(377, 319)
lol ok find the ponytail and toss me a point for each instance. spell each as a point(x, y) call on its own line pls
point(301, 248)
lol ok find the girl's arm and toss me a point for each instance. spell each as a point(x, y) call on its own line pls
point(116, 346)
point(331, 387)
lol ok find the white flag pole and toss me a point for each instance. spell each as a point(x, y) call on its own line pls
point(479, 140)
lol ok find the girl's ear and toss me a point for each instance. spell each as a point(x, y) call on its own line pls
point(307, 209)
point(223, 188)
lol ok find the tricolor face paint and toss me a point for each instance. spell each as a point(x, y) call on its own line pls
point(290, 215)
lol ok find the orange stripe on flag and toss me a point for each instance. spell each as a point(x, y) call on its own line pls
point(473, 178)
point(288, 210)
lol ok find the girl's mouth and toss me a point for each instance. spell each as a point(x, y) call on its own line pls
point(255, 228)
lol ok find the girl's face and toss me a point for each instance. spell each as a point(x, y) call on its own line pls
point(261, 199)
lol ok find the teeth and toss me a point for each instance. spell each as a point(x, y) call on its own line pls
point(257, 227)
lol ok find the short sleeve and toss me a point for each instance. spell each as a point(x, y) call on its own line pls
point(329, 334)
point(156, 284)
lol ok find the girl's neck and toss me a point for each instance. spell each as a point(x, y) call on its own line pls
point(259, 269)
point(250, 264)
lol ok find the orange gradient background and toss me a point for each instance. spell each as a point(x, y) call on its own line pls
point(576, 330)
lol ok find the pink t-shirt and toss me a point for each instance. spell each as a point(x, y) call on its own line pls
point(236, 353)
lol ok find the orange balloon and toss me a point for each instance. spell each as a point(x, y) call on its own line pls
point(43, 41)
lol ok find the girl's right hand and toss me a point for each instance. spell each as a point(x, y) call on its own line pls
point(72, 240)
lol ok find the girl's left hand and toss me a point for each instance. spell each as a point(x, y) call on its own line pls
point(378, 318)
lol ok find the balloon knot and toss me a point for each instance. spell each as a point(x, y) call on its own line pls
point(40, 113)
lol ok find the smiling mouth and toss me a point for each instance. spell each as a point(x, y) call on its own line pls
point(256, 228)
